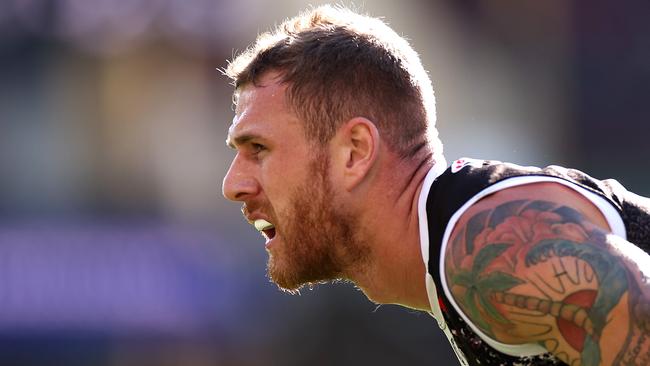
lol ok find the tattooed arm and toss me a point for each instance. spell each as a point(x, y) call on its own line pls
point(538, 264)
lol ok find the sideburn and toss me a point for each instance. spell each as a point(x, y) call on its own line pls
point(345, 247)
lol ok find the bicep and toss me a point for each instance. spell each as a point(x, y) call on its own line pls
point(537, 264)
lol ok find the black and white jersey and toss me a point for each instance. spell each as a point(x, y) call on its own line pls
point(447, 193)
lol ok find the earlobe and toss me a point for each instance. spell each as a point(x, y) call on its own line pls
point(361, 140)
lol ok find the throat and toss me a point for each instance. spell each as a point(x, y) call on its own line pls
point(395, 271)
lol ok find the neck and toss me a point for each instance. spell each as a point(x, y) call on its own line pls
point(395, 271)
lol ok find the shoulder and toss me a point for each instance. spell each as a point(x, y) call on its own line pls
point(537, 195)
point(491, 248)
point(547, 263)
point(469, 181)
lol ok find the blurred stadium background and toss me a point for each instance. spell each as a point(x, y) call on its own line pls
point(116, 247)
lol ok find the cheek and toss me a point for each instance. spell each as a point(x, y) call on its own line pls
point(278, 186)
point(279, 177)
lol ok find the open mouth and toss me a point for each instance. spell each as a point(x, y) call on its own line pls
point(266, 228)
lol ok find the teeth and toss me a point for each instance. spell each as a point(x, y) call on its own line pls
point(263, 225)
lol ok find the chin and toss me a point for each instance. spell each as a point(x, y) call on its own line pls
point(288, 276)
point(279, 274)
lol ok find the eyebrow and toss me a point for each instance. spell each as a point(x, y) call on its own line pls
point(239, 140)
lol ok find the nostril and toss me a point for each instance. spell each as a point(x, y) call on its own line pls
point(240, 196)
point(235, 194)
point(239, 189)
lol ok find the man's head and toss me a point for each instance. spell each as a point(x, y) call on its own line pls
point(338, 65)
point(315, 102)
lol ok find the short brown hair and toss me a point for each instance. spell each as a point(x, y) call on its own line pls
point(339, 65)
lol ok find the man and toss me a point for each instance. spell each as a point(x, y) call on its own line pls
point(339, 166)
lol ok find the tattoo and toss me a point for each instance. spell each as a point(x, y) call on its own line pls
point(542, 272)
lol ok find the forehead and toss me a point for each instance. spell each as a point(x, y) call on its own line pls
point(268, 91)
point(262, 109)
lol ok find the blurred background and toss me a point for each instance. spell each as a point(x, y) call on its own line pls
point(116, 247)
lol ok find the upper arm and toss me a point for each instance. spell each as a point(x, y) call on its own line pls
point(537, 264)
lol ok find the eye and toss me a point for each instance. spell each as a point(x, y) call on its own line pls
point(257, 148)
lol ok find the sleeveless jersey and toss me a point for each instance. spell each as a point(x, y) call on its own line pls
point(446, 194)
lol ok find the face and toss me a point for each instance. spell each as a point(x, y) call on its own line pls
point(283, 179)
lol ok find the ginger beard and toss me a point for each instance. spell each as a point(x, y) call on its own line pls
point(319, 241)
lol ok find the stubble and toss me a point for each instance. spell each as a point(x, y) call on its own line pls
point(321, 241)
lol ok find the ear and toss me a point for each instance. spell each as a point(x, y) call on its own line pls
point(357, 143)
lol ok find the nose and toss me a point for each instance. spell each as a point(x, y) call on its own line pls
point(239, 183)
